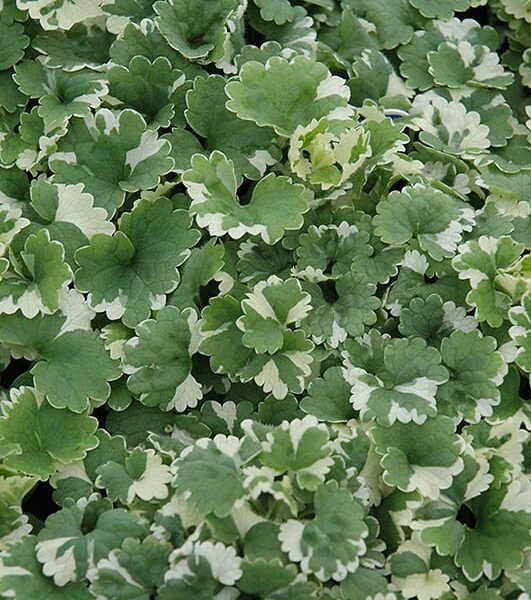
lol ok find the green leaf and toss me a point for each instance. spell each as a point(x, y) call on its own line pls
point(276, 204)
point(434, 320)
point(395, 21)
point(264, 577)
point(285, 371)
point(439, 10)
point(329, 397)
point(261, 542)
point(75, 368)
point(194, 38)
point(461, 65)
point(203, 466)
point(480, 262)
point(184, 145)
point(273, 411)
point(261, 95)
point(272, 305)
point(507, 184)
point(433, 218)
point(33, 142)
point(58, 203)
point(331, 251)
point(13, 42)
point(111, 153)
point(158, 360)
point(330, 545)
point(393, 379)
point(327, 155)
point(421, 458)
point(349, 38)
point(220, 332)
point(376, 78)
point(279, 11)
point(364, 583)
point(201, 570)
point(203, 266)
point(21, 575)
point(450, 127)
point(143, 39)
point(62, 95)
point(38, 437)
point(69, 214)
point(495, 518)
point(248, 146)
point(149, 87)
point(54, 14)
point(134, 572)
point(414, 55)
point(75, 538)
point(10, 96)
point(472, 390)
point(520, 332)
point(129, 273)
point(134, 11)
point(79, 479)
point(495, 113)
point(297, 35)
point(413, 281)
point(79, 47)
point(42, 275)
point(341, 308)
point(140, 474)
point(258, 261)
point(300, 447)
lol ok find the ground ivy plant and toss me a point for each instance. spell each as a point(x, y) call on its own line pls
point(265, 299)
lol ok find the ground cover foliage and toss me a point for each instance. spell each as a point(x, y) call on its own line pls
point(264, 299)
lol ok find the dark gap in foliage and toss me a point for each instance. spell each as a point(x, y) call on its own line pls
point(101, 414)
point(173, 177)
point(329, 291)
point(244, 192)
point(504, 46)
point(99, 321)
point(466, 517)
point(208, 291)
point(527, 458)
point(398, 186)
point(32, 103)
point(525, 391)
point(211, 69)
point(15, 369)
point(254, 37)
point(39, 501)
point(329, 267)
point(480, 13)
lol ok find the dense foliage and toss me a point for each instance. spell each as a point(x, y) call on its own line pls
point(264, 299)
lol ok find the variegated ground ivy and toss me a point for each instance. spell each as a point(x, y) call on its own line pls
point(265, 299)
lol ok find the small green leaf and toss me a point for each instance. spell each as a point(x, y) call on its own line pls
point(75, 368)
point(330, 545)
point(42, 437)
point(200, 468)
